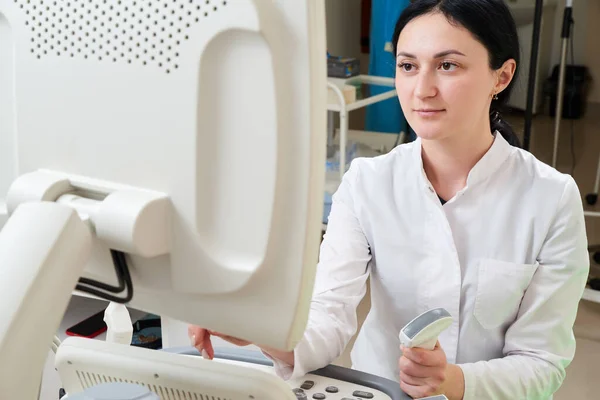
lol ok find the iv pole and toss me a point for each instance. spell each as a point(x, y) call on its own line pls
point(537, 24)
point(566, 34)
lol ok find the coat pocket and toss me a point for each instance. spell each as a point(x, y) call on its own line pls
point(500, 289)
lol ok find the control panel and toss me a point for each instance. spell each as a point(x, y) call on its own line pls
point(324, 388)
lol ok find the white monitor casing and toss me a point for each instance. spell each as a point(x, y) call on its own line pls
point(215, 110)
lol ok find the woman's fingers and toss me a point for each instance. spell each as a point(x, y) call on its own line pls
point(196, 335)
point(415, 370)
point(200, 339)
point(230, 339)
point(208, 351)
point(422, 372)
point(416, 391)
point(430, 358)
point(411, 380)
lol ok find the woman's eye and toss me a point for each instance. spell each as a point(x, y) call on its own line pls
point(406, 67)
point(448, 66)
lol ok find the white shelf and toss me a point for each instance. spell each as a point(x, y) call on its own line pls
point(344, 108)
point(363, 79)
point(81, 307)
point(364, 102)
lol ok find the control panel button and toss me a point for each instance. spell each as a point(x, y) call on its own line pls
point(331, 389)
point(362, 394)
point(319, 396)
point(307, 385)
point(300, 395)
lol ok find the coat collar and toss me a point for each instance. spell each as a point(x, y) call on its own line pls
point(485, 167)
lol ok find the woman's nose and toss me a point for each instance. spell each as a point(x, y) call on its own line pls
point(425, 86)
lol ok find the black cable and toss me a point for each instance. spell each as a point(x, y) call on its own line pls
point(571, 97)
point(573, 163)
point(533, 65)
point(104, 286)
point(123, 275)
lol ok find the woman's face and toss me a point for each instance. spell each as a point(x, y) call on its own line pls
point(443, 78)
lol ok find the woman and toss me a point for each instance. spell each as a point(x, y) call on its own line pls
point(459, 219)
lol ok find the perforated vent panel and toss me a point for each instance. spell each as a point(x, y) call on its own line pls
point(148, 32)
point(88, 380)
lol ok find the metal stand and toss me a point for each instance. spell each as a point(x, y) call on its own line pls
point(537, 25)
point(592, 198)
point(566, 34)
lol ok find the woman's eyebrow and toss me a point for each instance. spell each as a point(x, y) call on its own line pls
point(438, 55)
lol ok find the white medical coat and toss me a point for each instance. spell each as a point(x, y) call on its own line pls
point(507, 257)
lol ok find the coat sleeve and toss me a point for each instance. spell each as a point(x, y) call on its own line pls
point(540, 344)
point(340, 285)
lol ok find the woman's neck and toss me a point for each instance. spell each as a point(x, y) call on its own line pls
point(447, 162)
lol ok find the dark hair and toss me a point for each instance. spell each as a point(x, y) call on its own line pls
point(492, 24)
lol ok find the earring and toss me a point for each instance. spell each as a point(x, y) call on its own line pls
point(495, 96)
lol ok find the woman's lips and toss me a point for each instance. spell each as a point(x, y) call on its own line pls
point(429, 112)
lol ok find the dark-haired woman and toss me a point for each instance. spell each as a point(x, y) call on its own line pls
point(461, 219)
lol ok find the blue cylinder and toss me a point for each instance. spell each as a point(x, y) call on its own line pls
point(385, 116)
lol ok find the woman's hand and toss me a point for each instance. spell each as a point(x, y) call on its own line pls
point(426, 373)
point(200, 339)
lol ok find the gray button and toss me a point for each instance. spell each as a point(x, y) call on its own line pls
point(307, 385)
point(362, 394)
point(300, 395)
point(319, 396)
point(331, 389)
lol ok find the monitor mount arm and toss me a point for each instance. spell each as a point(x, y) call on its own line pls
point(41, 262)
point(44, 248)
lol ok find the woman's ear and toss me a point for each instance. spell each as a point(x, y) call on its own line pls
point(505, 75)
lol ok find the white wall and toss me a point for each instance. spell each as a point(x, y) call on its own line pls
point(343, 19)
point(343, 30)
point(592, 52)
point(343, 27)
